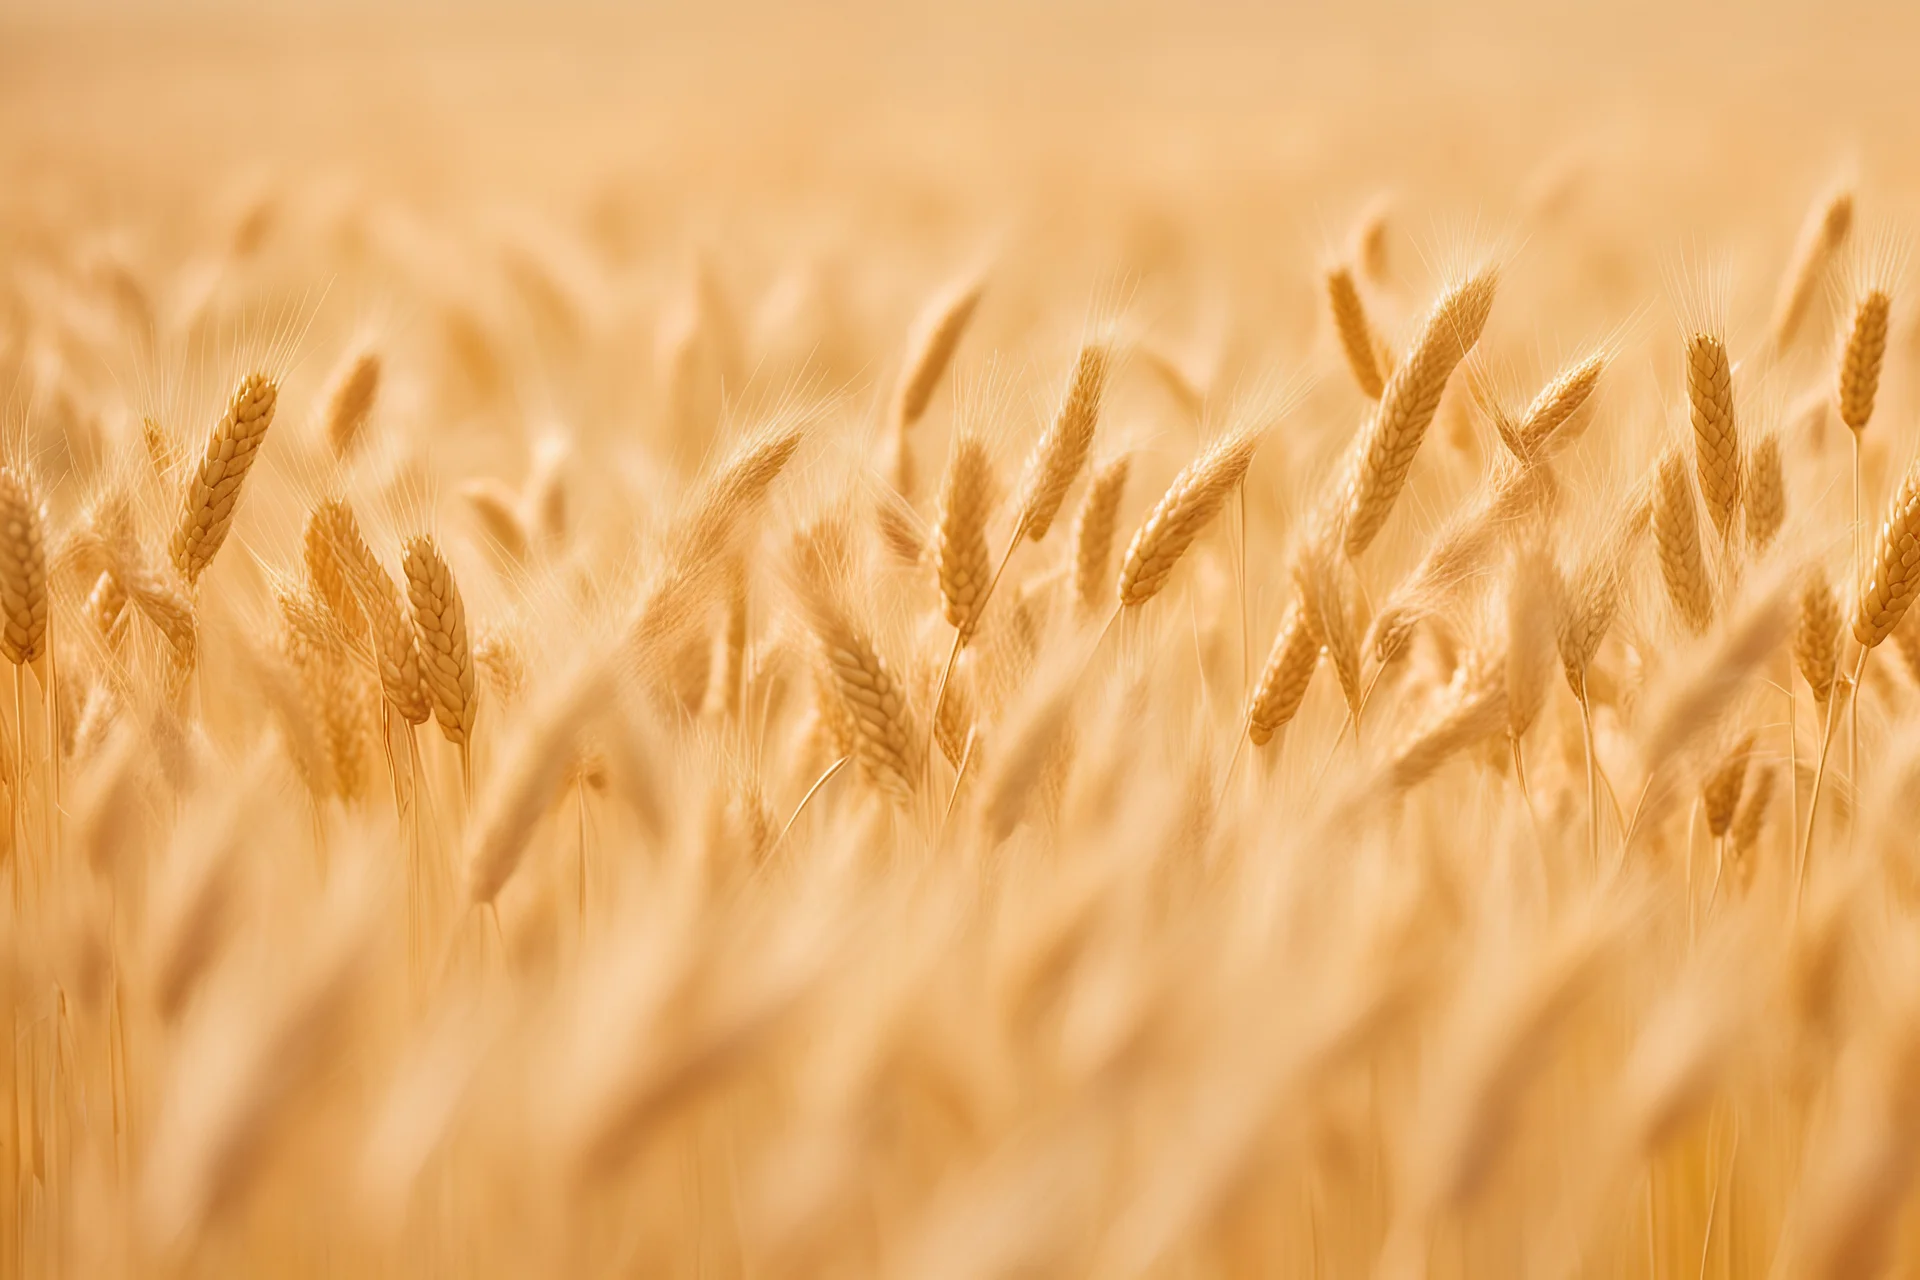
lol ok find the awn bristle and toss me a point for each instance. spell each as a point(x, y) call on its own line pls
point(440, 631)
point(1715, 442)
point(1061, 453)
point(1093, 532)
point(1860, 361)
point(213, 492)
point(1385, 451)
point(1357, 340)
point(1190, 502)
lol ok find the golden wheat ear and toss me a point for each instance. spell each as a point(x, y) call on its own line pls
point(1386, 449)
point(213, 490)
point(930, 346)
point(1190, 503)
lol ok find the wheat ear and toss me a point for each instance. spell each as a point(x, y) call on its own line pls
point(1061, 452)
point(440, 631)
point(873, 701)
point(1386, 449)
point(1861, 359)
point(1816, 634)
point(213, 492)
point(1720, 791)
point(1893, 575)
point(962, 563)
point(106, 608)
point(1716, 442)
point(23, 569)
point(1766, 493)
point(527, 780)
point(396, 654)
point(1190, 502)
point(1540, 426)
point(1093, 532)
point(1326, 602)
point(1820, 240)
point(1676, 537)
point(350, 403)
point(1357, 341)
point(1283, 681)
point(935, 337)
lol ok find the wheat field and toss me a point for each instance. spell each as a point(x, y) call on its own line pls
point(1111, 640)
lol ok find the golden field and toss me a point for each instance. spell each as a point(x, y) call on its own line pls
point(996, 641)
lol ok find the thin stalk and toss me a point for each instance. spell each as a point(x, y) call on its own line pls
point(1853, 701)
point(1793, 746)
point(800, 808)
point(1593, 794)
point(959, 776)
point(580, 846)
point(1819, 772)
point(1246, 643)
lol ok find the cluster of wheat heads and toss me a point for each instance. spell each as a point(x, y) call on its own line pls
point(1451, 816)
